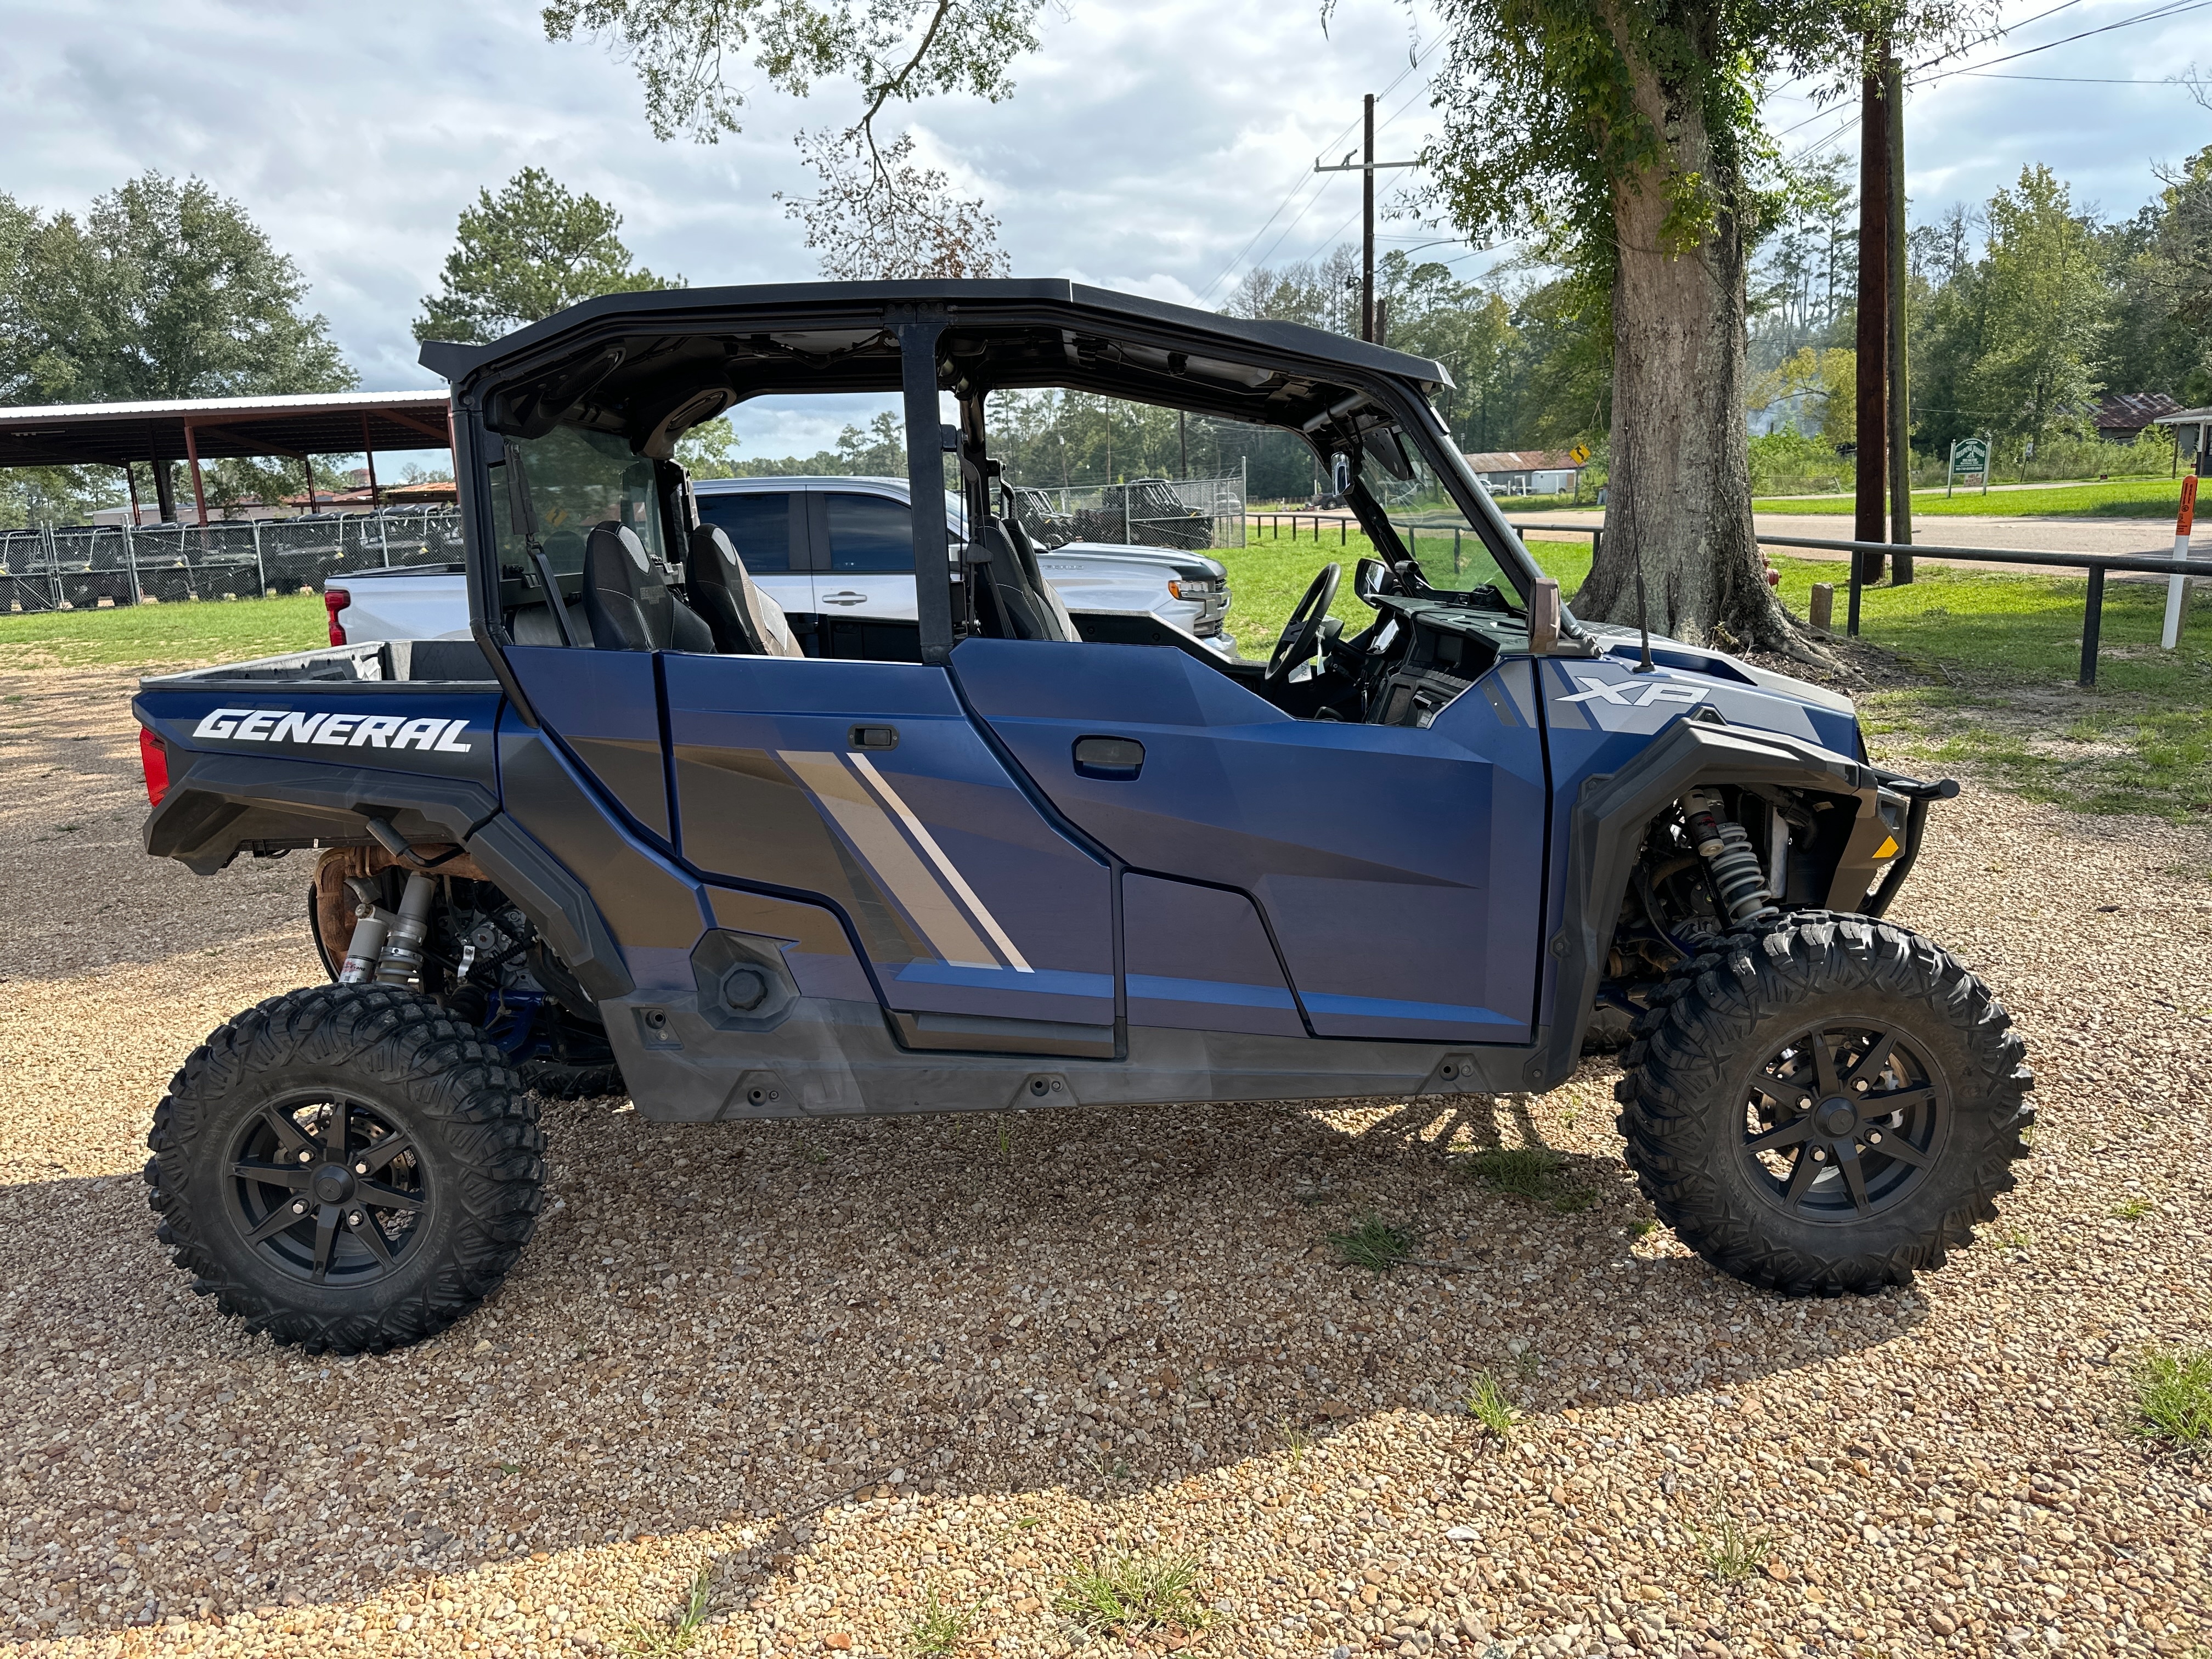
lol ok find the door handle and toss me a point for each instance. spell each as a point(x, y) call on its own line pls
point(1115, 760)
point(844, 596)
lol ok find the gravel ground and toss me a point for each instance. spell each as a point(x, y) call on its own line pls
point(848, 1371)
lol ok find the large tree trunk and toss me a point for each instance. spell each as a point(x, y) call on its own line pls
point(1679, 495)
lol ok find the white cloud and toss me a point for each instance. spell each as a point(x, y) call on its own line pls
point(1143, 149)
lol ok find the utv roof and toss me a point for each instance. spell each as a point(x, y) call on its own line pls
point(985, 304)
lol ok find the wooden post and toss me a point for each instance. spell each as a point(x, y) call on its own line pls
point(199, 491)
point(1824, 605)
point(2093, 623)
point(1873, 338)
point(369, 455)
point(1900, 411)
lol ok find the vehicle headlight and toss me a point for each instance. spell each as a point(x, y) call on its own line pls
point(1193, 587)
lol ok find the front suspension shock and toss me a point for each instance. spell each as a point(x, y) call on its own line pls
point(1726, 849)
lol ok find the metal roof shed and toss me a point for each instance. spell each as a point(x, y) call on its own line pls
point(194, 429)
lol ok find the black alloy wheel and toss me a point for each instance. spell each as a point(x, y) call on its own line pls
point(1845, 1120)
point(329, 1189)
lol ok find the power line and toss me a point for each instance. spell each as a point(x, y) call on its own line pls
point(1347, 225)
point(1304, 178)
point(2171, 9)
point(2157, 14)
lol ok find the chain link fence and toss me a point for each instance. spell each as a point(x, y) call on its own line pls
point(1190, 513)
point(50, 568)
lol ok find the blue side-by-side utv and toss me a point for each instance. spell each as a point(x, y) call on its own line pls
point(646, 832)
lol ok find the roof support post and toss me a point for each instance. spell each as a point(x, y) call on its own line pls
point(369, 455)
point(199, 489)
point(925, 472)
point(165, 486)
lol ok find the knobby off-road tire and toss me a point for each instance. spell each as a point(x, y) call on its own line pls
point(1825, 1103)
point(401, 1147)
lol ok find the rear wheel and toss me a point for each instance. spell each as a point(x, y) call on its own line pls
point(1824, 1104)
point(346, 1168)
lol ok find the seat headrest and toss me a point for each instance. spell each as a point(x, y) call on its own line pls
point(626, 599)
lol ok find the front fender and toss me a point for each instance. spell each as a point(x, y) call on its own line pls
point(1606, 830)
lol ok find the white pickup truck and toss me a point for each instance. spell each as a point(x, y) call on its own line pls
point(822, 547)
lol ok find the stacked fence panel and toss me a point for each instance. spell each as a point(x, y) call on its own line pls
point(1189, 513)
point(78, 567)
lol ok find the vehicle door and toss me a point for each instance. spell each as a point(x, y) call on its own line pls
point(864, 554)
point(1398, 871)
point(771, 531)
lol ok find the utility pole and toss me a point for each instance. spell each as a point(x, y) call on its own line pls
point(1900, 379)
point(1367, 225)
point(1366, 166)
point(1871, 450)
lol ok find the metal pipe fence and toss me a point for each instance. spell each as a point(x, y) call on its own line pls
point(52, 569)
point(2097, 566)
point(1187, 513)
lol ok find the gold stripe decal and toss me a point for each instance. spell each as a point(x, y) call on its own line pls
point(911, 883)
point(945, 866)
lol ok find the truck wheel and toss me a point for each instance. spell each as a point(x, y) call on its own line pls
point(1825, 1104)
point(346, 1167)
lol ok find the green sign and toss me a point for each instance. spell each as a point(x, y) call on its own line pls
point(1970, 456)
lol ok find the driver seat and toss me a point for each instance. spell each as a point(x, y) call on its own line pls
point(1029, 605)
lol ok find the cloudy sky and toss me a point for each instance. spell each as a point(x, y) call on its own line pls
point(1157, 145)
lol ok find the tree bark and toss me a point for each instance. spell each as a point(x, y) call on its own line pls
point(1679, 495)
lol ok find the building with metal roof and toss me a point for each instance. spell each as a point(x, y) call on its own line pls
point(196, 429)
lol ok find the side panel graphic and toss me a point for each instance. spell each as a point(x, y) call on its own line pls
point(966, 900)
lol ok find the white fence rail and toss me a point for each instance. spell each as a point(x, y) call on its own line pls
point(49, 569)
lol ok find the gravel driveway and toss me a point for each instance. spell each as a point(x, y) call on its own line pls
point(850, 1371)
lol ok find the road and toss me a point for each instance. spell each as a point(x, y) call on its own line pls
point(2028, 535)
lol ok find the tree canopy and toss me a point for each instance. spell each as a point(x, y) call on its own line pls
point(533, 249)
point(164, 288)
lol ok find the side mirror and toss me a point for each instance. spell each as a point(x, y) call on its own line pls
point(1544, 616)
point(1368, 579)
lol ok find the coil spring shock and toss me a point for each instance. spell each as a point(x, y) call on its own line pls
point(1727, 851)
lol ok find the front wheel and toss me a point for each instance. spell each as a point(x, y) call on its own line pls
point(347, 1168)
point(1825, 1103)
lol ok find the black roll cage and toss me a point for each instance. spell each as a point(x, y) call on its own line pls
point(650, 365)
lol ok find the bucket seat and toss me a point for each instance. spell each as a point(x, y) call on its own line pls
point(628, 602)
point(745, 622)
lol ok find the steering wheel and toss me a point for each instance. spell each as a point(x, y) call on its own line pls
point(1301, 635)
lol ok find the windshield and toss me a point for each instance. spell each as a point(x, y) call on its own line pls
point(577, 479)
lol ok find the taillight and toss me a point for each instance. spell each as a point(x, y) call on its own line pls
point(335, 599)
point(155, 759)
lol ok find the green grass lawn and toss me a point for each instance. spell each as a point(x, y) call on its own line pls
point(1998, 654)
point(2112, 498)
point(150, 636)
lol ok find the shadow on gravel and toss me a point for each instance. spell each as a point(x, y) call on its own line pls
point(743, 1321)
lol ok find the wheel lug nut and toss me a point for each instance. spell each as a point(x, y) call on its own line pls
point(354, 1220)
point(300, 1207)
point(360, 1169)
point(1873, 1138)
point(1859, 1086)
point(1820, 1155)
point(306, 1157)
